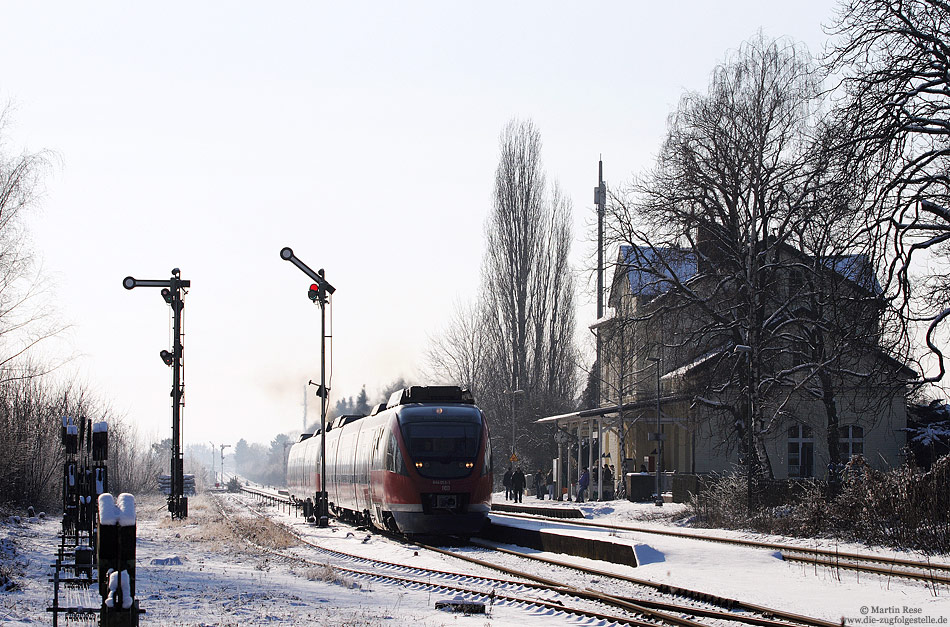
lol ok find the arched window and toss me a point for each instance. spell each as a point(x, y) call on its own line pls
point(801, 451)
point(850, 441)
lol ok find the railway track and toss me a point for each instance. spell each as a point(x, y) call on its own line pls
point(483, 589)
point(862, 562)
point(657, 607)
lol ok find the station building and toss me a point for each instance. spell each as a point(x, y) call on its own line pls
point(659, 367)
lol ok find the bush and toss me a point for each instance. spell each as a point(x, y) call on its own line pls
point(901, 508)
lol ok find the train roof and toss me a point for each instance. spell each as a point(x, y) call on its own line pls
point(413, 395)
point(430, 394)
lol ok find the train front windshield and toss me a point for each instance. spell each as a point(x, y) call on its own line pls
point(442, 446)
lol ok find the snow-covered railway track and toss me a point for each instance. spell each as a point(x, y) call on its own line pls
point(481, 589)
point(863, 562)
point(714, 606)
point(655, 606)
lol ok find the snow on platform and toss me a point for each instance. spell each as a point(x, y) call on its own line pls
point(754, 575)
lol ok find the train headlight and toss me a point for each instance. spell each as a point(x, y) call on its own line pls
point(418, 464)
point(469, 465)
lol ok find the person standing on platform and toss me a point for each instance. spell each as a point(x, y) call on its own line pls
point(507, 483)
point(517, 484)
point(608, 482)
point(582, 482)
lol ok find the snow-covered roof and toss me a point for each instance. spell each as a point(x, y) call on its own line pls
point(856, 268)
point(696, 363)
point(652, 270)
point(610, 315)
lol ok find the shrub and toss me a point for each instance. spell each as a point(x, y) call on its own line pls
point(902, 508)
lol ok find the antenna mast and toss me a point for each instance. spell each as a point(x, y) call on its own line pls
point(600, 199)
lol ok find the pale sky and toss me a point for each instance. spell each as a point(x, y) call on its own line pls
point(207, 136)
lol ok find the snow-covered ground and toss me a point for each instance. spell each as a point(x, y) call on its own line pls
point(193, 572)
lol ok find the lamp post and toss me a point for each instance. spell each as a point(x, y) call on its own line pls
point(658, 436)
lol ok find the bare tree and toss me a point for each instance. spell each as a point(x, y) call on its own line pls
point(515, 347)
point(457, 354)
point(894, 57)
point(529, 296)
point(24, 321)
point(729, 240)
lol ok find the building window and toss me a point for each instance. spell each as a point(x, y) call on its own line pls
point(801, 451)
point(850, 441)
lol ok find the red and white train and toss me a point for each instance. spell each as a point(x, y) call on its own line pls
point(421, 464)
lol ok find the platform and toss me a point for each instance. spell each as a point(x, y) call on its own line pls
point(541, 539)
point(538, 510)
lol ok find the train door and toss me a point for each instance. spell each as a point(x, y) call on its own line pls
point(359, 469)
point(377, 475)
point(333, 467)
point(354, 474)
point(313, 470)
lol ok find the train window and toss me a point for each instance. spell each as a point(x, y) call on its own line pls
point(394, 460)
point(438, 440)
point(442, 449)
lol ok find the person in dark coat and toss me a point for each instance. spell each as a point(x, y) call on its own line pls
point(506, 481)
point(517, 484)
point(608, 476)
point(540, 485)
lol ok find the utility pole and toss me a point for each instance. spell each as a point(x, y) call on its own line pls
point(172, 293)
point(600, 199)
point(319, 293)
point(223, 446)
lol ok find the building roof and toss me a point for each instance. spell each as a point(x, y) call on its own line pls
point(653, 270)
point(856, 268)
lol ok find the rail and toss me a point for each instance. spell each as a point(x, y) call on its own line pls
point(928, 571)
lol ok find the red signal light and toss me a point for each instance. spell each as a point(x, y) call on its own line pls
point(314, 292)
